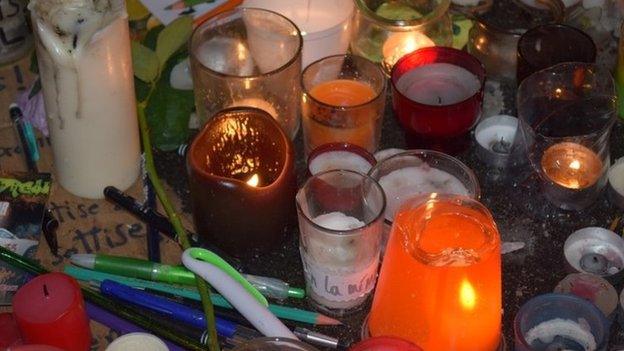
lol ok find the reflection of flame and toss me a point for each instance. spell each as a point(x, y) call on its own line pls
point(400, 44)
point(254, 180)
point(467, 295)
point(576, 164)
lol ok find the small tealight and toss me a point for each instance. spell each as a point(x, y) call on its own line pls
point(616, 183)
point(344, 156)
point(386, 153)
point(593, 289)
point(597, 251)
point(495, 136)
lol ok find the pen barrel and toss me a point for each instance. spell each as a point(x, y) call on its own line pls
point(125, 266)
point(175, 275)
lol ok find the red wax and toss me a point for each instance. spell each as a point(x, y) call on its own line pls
point(34, 348)
point(50, 310)
point(9, 334)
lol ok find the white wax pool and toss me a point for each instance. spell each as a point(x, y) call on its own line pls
point(438, 84)
point(332, 160)
point(546, 332)
point(338, 221)
point(496, 129)
point(408, 182)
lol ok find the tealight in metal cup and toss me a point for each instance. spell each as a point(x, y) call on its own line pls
point(597, 251)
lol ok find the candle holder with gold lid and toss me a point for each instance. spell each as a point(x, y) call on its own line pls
point(385, 31)
point(566, 114)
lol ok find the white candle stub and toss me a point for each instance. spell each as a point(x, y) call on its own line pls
point(408, 182)
point(387, 153)
point(578, 332)
point(616, 176)
point(497, 133)
point(338, 221)
point(339, 159)
point(438, 84)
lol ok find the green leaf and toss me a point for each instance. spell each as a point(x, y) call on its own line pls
point(168, 111)
point(152, 36)
point(173, 37)
point(145, 62)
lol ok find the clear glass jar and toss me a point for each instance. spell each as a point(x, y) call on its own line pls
point(384, 40)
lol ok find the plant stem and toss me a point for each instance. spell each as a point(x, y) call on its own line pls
point(202, 286)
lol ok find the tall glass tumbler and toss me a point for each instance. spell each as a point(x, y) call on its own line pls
point(619, 74)
point(440, 282)
point(343, 101)
point(244, 57)
point(566, 114)
point(340, 219)
point(88, 91)
point(560, 322)
point(385, 31)
point(550, 44)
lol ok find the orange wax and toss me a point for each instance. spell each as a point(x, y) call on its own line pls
point(572, 165)
point(347, 113)
point(440, 282)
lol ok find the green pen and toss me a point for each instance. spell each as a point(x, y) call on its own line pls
point(147, 270)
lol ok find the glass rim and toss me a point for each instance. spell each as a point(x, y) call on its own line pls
point(405, 25)
point(591, 135)
point(349, 232)
point(210, 21)
point(305, 91)
point(494, 29)
point(481, 76)
point(454, 160)
point(540, 299)
point(341, 146)
point(577, 31)
point(226, 113)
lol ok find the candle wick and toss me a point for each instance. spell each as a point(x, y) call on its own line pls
point(439, 100)
point(45, 291)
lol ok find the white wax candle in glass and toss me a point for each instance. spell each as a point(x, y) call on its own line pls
point(438, 84)
point(338, 159)
point(83, 51)
point(324, 24)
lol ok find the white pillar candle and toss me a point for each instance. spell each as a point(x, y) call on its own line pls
point(83, 49)
point(324, 24)
point(438, 84)
point(137, 342)
point(339, 159)
point(408, 182)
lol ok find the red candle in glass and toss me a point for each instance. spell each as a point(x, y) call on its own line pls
point(9, 334)
point(437, 94)
point(35, 348)
point(242, 181)
point(50, 310)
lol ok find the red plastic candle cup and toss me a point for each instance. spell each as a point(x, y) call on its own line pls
point(384, 343)
point(547, 45)
point(242, 181)
point(50, 310)
point(347, 156)
point(437, 94)
point(9, 334)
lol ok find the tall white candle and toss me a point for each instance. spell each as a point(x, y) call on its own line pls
point(83, 49)
point(438, 84)
point(137, 342)
point(324, 24)
point(408, 182)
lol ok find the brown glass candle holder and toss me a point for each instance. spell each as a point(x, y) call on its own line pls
point(242, 181)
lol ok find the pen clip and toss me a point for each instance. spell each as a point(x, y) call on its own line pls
point(212, 258)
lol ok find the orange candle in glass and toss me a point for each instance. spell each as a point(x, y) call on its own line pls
point(440, 282)
point(343, 102)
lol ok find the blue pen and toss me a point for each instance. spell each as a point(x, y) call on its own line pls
point(165, 306)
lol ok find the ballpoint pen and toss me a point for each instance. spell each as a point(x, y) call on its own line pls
point(160, 222)
point(136, 268)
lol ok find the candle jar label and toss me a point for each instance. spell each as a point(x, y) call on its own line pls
point(340, 284)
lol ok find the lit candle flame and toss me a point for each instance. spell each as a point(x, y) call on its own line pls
point(400, 44)
point(467, 295)
point(576, 164)
point(254, 180)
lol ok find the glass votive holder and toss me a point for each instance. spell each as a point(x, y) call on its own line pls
point(593, 289)
point(384, 343)
point(496, 48)
point(243, 57)
point(325, 25)
point(560, 322)
point(334, 156)
point(274, 344)
point(343, 101)
point(384, 31)
point(616, 183)
point(340, 220)
point(597, 251)
point(242, 181)
point(440, 281)
point(566, 113)
point(437, 94)
point(549, 44)
point(421, 172)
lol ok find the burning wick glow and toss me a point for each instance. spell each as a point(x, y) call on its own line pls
point(254, 180)
point(467, 295)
